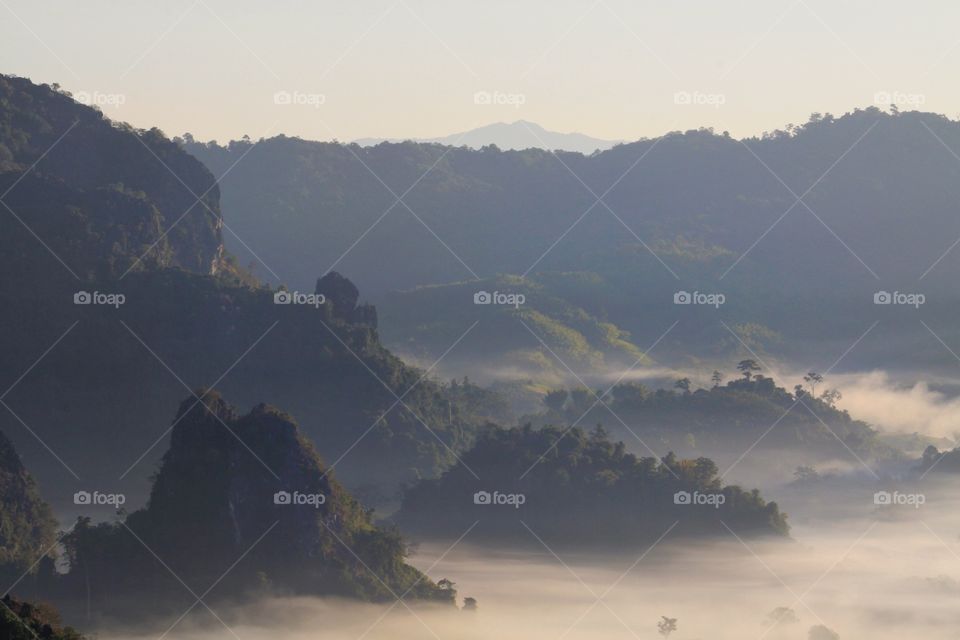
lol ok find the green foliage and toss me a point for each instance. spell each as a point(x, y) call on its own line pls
point(26, 621)
point(732, 415)
point(425, 321)
point(578, 488)
point(214, 499)
point(27, 526)
point(697, 204)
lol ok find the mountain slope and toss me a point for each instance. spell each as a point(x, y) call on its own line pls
point(232, 487)
point(693, 211)
point(111, 220)
point(514, 318)
point(27, 527)
point(578, 489)
point(97, 193)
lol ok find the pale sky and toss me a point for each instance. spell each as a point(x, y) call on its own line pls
point(411, 68)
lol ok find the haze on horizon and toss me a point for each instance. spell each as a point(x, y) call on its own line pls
point(413, 68)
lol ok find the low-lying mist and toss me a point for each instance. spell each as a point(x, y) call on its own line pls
point(880, 572)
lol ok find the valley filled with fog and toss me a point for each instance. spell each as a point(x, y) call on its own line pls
point(865, 572)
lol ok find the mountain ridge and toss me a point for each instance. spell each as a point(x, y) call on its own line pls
point(516, 135)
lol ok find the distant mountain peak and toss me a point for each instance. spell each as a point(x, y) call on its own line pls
point(516, 135)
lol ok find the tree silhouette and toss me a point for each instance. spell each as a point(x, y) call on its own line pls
point(667, 626)
point(747, 367)
point(820, 632)
point(683, 384)
point(556, 399)
point(813, 379)
point(716, 378)
point(831, 396)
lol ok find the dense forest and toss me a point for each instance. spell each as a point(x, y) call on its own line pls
point(749, 409)
point(571, 487)
point(535, 213)
point(131, 223)
point(238, 485)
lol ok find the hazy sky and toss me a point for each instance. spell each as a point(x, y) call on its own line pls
point(395, 68)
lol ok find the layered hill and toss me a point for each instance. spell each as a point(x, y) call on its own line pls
point(515, 318)
point(27, 527)
point(118, 296)
point(102, 197)
point(242, 502)
point(21, 620)
point(570, 487)
point(782, 429)
point(691, 211)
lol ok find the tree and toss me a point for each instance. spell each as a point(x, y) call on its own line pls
point(831, 396)
point(683, 384)
point(667, 626)
point(820, 632)
point(798, 391)
point(747, 367)
point(782, 615)
point(556, 399)
point(813, 379)
point(716, 378)
point(931, 455)
point(445, 584)
point(469, 604)
point(582, 398)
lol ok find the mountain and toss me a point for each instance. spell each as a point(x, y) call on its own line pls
point(517, 135)
point(119, 296)
point(99, 195)
point(523, 483)
point(27, 527)
point(514, 318)
point(21, 620)
point(752, 415)
point(695, 212)
point(238, 487)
